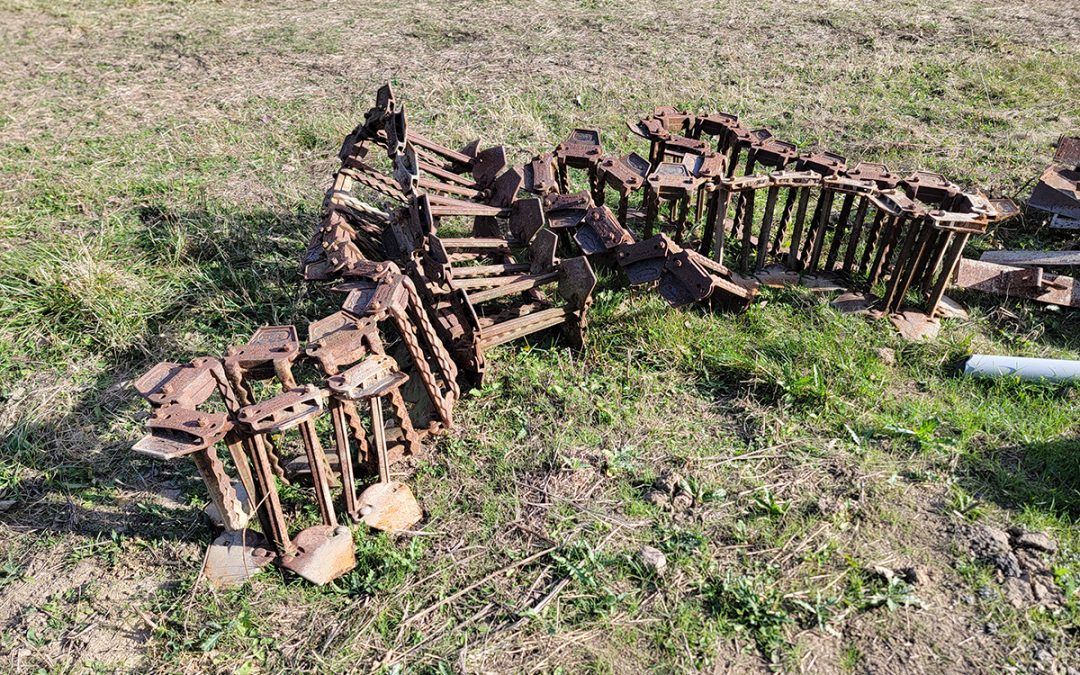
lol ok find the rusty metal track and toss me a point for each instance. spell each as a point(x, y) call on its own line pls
point(423, 307)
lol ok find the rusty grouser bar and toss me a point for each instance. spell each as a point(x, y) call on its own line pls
point(466, 251)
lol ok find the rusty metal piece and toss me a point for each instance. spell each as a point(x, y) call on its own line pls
point(625, 174)
point(1068, 151)
point(822, 162)
point(685, 281)
point(674, 148)
point(1019, 282)
point(374, 376)
point(284, 411)
point(930, 188)
point(580, 150)
point(526, 219)
point(683, 276)
point(397, 300)
point(488, 164)
point(1058, 192)
point(447, 300)
point(541, 174)
point(915, 326)
point(388, 505)
point(176, 431)
point(322, 553)
point(172, 384)
point(643, 261)
point(269, 353)
point(236, 556)
point(601, 232)
point(297, 407)
point(566, 210)
point(673, 182)
point(339, 340)
point(335, 342)
point(879, 173)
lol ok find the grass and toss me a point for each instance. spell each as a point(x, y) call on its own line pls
point(161, 166)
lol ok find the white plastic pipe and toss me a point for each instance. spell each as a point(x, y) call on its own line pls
point(1031, 369)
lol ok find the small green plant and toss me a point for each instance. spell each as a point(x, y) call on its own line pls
point(381, 566)
point(804, 390)
point(620, 460)
point(766, 503)
point(850, 658)
point(963, 504)
point(752, 606)
point(10, 572)
point(895, 593)
point(924, 435)
point(107, 548)
point(701, 491)
point(816, 614)
point(241, 626)
point(582, 563)
point(679, 542)
point(866, 590)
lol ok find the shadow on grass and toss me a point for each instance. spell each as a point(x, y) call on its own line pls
point(240, 270)
point(1041, 476)
point(76, 473)
point(1025, 322)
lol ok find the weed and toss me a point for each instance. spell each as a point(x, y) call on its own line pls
point(850, 658)
point(583, 564)
point(868, 591)
point(765, 502)
point(963, 504)
point(10, 572)
point(923, 435)
point(749, 605)
point(381, 566)
point(107, 548)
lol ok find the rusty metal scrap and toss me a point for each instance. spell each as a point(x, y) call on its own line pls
point(443, 254)
point(1058, 190)
point(1018, 282)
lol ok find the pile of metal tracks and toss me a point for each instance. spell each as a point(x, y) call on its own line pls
point(442, 254)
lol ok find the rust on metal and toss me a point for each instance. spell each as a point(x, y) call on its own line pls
point(422, 307)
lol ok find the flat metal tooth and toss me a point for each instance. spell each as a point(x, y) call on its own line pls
point(872, 236)
point(723, 201)
point(822, 229)
point(807, 242)
point(785, 218)
point(893, 229)
point(938, 246)
point(797, 230)
point(951, 259)
point(766, 226)
point(747, 222)
point(839, 232)
point(856, 234)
